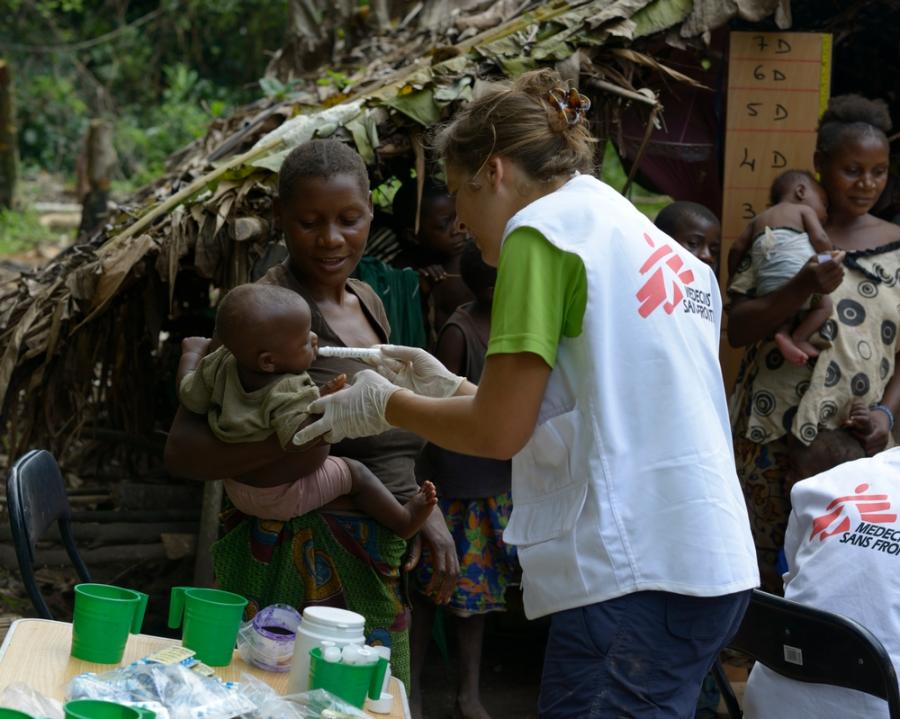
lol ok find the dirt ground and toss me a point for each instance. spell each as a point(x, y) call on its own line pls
point(510, 671)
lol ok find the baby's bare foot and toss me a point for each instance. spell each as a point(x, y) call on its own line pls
point(792, 353)
point(419, 508)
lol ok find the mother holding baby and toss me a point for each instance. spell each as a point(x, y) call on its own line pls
point(334, 556)
point(777, 404)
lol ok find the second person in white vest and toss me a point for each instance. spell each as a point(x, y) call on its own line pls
point(602, 383)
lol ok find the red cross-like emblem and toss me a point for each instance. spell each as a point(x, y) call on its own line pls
point(871, 508)
point(654, 291)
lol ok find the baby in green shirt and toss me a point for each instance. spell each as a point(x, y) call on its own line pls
point(256, 384)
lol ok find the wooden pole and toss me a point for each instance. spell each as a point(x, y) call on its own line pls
point(207, 533)
point(8, 144)
point(100, 156)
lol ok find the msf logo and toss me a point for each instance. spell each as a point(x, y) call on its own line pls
point(664, 285)
point(871, 508)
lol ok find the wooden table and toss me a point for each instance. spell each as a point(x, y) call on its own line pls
point(36, 652)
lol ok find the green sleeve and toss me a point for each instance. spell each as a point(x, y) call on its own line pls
point(540, 296)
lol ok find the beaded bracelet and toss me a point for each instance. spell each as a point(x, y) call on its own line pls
point(887, 410)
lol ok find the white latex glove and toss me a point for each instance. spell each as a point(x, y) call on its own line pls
point(414, 368)
point(357, 411)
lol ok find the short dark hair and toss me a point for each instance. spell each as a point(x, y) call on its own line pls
point(476, 273)
point(787, 181)
point(830, 448)
point(671, 217)
point(852, 116)
point(321, 159)
point(247, 313)
point(403, 206)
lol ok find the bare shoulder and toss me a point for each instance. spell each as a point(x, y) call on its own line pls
point(887, 231)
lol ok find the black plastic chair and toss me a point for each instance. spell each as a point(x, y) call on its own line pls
point(36, 498)
point(812, 645)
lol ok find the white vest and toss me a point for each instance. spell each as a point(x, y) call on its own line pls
point(843, 552)
point(628, 482)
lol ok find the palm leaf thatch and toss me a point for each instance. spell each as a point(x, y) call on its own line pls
point(89, 342)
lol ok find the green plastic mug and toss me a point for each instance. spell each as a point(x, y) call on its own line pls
point(96, 709)
point(211, 620)
point(351, 682)
point(104, 616)
point(6, 713)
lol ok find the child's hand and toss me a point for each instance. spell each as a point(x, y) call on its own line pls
point(333, 385)
point(822, 277)
point(433, 273)
point(859, 422)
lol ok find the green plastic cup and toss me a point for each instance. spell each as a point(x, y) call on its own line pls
point(351, 682)
point(6, 713)
point(96, 709)
point(211, 620)
point(104, 616)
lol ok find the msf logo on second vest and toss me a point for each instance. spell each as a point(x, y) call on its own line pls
point(665, 284)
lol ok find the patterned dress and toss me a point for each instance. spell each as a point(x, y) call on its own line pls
point(774, 399)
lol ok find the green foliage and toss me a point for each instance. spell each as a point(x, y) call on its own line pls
point(336, 79)
point(52, 120)
point(615, 176)
point(159, 69)
point(145, 139)
point(20, 231)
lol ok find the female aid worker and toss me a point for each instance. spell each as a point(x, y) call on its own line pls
point(602, 383)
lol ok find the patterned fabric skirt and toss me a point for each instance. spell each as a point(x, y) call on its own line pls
point(337, 560)
point(762, 469)
point(486, 565)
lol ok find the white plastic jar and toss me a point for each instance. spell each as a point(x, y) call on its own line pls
point(317, 625)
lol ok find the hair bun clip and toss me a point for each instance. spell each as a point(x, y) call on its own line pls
point(572, 104)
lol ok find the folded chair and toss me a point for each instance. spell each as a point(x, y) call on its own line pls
point(36, 498)
point(812, 645)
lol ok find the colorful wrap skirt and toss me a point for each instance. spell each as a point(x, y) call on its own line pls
point(337, 560)
point(487, 565)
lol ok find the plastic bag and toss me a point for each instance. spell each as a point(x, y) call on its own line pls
point(22, 697)
point(315, 704)
point(171, 690)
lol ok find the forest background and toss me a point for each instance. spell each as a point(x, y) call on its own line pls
point(159, 71)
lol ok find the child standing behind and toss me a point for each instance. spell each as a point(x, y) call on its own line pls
point(434, 250)
point(256, 384)
point(695, 228)
point(781, 240)
point(475, 498)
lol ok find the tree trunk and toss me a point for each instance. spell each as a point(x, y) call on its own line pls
point(100, 160)
point(8, 147)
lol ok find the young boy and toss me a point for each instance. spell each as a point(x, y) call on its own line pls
point(695, 228)
point(256, 384)
point(781, 239)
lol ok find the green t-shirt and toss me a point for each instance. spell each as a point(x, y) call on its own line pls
point(540, 296)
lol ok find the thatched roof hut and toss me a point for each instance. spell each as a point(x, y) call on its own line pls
point(89, 342)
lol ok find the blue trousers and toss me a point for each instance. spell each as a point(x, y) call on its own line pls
point(643, 655)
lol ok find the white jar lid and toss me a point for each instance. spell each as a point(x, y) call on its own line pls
point(382, 705)
point(332, 616)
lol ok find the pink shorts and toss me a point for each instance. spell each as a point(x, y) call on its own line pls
point(286, 501)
